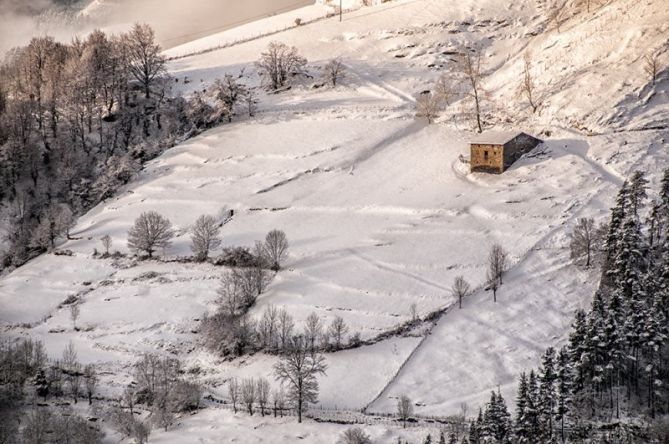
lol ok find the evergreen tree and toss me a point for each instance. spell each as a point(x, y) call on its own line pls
point(475, 429)
point(442, 438)
point(428, 439)
point(452, 438)
point(531, 408)
point(618, 213)
point(638, 195)
point(578, 348)
point(522, 427)
point(564, 388)
point(496, 419)
point(547, 378)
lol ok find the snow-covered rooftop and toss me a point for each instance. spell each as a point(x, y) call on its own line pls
point(495, 137)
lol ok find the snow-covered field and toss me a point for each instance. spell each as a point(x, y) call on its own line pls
point(380, 211)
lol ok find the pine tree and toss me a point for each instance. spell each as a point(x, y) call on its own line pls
point(638, 195)
point(522, 428)
point(531, 409)
point(577, 347)
point(496, 419)
point(564, 388)
point(547, 377)
point(428, 439)
point(475, 429)
point(442, 438)
point(452, 438)
point(618, 214)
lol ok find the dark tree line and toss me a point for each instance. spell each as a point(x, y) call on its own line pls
point(77, 121)
point(616, 362)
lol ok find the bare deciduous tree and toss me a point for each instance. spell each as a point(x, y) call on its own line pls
point(404, 409)
point(428, 106)
point(527, 86)
point(312, 330)
point(444, 90)
point(355, 435)
point(586, 242)
point(90, 382)
point(248, 393)
point(106, 241)
point(496, 267)
point(278, 401)
point(497, 261)
point(470, 67)
point(74, 314)
point(279, 62)
point(145, 60)
point(334, 71)
point(460, 289)
point(262, 392)
point(286, 327)
point(205, 236)
point(233, 392)
point(150, 232)
point(267, 328)
point(69, 356)
point(298, 369)
point(229, 91)
point(276, 248)
point(338, 330)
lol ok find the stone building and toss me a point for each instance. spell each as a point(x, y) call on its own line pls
point(494, 152)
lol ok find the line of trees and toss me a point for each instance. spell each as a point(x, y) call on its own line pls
point(26, 371)
point(77, 121)
point(616, 362)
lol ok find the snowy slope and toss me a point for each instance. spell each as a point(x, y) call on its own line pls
point(379, 209)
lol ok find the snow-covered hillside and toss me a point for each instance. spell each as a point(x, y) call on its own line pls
point(379, 208)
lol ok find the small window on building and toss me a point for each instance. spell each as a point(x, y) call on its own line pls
point(485, 155)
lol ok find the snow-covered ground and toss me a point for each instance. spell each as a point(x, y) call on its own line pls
point(380, 211)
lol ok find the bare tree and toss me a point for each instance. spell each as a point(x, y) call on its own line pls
point(74, 314)
point(286, 327)
point(312, 330)
point(90, 382)
point(497, 261)
point(338, 330)
point(527, 86)
point(334, 71)
point(73, 380)
point(267, 328)
point(651, 66)
point(460, 289)
point(298, 369)
point(205, 236)
point(428, 106)
point(262, 392)
point(276, 248)
point(69, 357)
point(279, 62)
point(492, 281)
point(404, 409)
point(229, 91)
point(150, 232)
point(444, 90)
point(233, 392)
point(106, 241)
point(145, 60)
point(278, 401)
point(248, 393)
point(586, 242)
point(470, 67)
point(355, 435)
